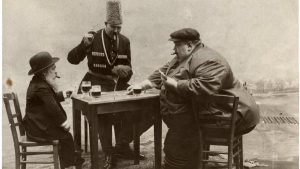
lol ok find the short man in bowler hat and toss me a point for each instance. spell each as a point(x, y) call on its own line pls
point(45, 118)
point(109, 62)
point(185, 82)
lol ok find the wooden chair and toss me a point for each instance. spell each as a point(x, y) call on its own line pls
point(19, 138)
point(86, 136)
point(219, 130)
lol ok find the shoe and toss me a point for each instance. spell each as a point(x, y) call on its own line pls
point(125, 152)
point(79, 161)
point(110, 162)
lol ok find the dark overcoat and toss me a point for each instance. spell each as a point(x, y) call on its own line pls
point(44, 113)
point(202, 74)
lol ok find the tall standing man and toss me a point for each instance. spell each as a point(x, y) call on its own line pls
point(195, 73)
point(109, 62)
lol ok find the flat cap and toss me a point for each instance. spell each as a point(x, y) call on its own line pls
point(185, 34)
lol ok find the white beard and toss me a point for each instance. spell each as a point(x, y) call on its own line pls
point(52, 83)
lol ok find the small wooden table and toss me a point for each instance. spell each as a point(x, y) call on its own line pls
point(115, 102)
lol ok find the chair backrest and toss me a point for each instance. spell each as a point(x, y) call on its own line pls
point(14, 117)
point(223, 124)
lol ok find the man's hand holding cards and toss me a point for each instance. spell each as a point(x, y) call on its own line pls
point(163, 76)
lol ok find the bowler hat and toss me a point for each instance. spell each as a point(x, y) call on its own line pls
point(41, 61)
point(185, 34)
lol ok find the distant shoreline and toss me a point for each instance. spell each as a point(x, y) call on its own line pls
point(275, 93)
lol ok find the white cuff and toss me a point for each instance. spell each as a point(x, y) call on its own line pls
point(147, 84)
point(64, 94)
point(64, 123)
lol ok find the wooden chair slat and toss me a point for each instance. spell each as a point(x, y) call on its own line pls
point(237, 152)
point(214, 152)
point(19, 138)
point(213, 161)
point(15, 124)
point(219, 130)
point(8, 96)
point(37, 162)
point(14, 115)
point(30, 143)
point(36, 153)
point(221, 99)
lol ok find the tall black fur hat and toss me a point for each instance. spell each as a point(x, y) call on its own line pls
point(113, 12)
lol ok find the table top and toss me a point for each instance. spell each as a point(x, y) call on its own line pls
point(115, 96)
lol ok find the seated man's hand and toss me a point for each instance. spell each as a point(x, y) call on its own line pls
point(135, 86)
point(66, 126)
point(122, 71)
point(144, 85)
point(170, 83)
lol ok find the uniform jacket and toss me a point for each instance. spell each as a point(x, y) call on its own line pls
point(99, 61)
point(43, 109)
point(205, 73)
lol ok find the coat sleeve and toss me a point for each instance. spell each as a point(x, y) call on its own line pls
point(155, 77)
point(53, 108)
point(77, 54)
point(208, 78)
point(60, 96)
point(127, 63)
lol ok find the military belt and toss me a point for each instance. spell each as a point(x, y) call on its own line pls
point(102, 76)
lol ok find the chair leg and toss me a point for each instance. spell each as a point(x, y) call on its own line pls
point(241, 153)
point(230, 152)
point(236, 158)
point(200, 163)
point(55, 157)
point(23, 166)
point(18, 162)
point(85, 136)
point(206, 148)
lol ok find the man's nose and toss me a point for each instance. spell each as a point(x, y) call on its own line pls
point(56, 74)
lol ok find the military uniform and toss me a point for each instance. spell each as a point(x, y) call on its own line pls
point(103, 54)
point(201, 74)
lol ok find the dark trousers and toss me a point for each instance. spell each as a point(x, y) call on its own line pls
point(66, 149)
point(123, 125)
point(181, 143)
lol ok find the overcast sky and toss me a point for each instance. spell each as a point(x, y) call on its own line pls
point(259, 38)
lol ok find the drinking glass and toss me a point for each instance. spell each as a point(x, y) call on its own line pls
point(137, 90)
point(85, 87)
point(96, 91)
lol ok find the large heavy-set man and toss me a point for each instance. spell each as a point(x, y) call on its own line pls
point(45, 118)
point(192, 75)
point(109, 62)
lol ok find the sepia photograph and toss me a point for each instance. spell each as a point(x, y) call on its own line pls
point(150, 84)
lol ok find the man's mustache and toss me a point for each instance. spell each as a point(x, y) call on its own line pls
point(115, 34)
point(57, 76)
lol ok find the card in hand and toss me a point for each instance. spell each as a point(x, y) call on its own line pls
point(162, 73)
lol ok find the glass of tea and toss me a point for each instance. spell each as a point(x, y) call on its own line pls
point(95, 91)
point(137, 90)
point(86, 87)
